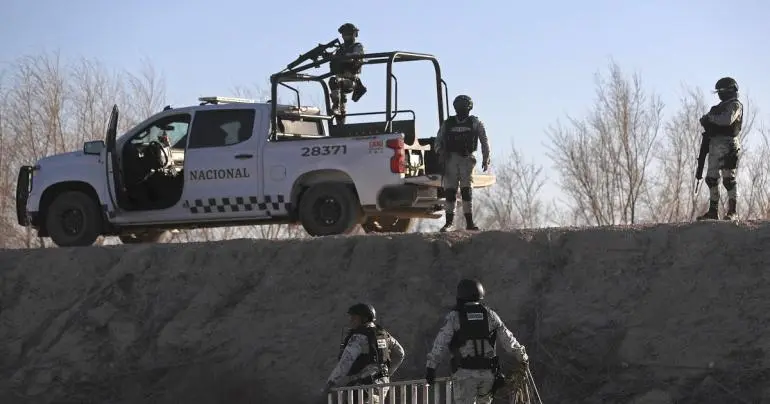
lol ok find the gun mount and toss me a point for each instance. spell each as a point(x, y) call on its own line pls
point(297, 72)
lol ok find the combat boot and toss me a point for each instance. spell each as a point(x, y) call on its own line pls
point(469, 225)
point(449, 226)
point(732, 206)
point(712, 213)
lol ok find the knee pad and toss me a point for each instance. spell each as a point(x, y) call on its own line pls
point(333, 83)
point(711, 182)
point(450, 194)
point(347, 85)
point(466, 193)
point(729, 183)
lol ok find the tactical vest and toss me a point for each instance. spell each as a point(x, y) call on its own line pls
point(733, 130)
point(347, 66)
point(474, 327)
point(460, 136)
point(378, 352)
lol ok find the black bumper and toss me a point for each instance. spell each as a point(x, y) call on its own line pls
point(405, 196)
point(23, 188)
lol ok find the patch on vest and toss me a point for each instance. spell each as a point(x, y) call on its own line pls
point(474, 316)
point(382, 344)
point(459, 129)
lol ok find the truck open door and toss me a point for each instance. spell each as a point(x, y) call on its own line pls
point(112, 165)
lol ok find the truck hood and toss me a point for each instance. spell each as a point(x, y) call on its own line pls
point(69, 158)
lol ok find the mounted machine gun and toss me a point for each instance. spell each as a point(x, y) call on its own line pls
point(319, 52)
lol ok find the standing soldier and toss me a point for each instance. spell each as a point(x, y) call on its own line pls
point(370, 355)
point(455, 144)
point(722, 124)
point(346, 73)
point(471, 332)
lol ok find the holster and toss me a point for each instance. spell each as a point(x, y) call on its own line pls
point(500, 380)
point(498, 383)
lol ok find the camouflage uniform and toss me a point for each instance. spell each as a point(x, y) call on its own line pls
point(722, 125)
point(456, 143)
point(346, 74)
point(356, 346)
point(472, 385)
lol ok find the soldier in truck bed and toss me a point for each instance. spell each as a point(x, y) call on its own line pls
point(455, 145)
point(346, 73)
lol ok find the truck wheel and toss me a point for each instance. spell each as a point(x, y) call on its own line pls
point(73, 220)
point(329, 209)
point(149, 236)
point(387, 224)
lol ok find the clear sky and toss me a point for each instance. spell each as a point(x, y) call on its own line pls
point(525, 64)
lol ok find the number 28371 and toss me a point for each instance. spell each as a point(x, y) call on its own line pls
point(324, 150)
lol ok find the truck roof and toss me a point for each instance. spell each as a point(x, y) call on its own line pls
point(214, 102)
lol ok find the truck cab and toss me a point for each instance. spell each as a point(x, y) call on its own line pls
point(231, 161)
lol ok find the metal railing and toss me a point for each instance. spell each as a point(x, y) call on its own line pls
point(402, 392)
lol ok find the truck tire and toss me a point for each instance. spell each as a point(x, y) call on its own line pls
point(73, 219)
point(328, 209)
point(387, 224)
point(149, 236)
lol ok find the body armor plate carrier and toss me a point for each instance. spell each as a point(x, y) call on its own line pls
point(733, 130)
point(378, 353)
point(460, 136)
point(474, 327)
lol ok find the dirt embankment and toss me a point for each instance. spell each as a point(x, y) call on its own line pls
point(609, 315)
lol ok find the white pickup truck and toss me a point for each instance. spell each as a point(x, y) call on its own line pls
point(225, 163)
point(227, 169)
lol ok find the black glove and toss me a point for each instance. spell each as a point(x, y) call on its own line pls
point(704, 120)
point(485, 165)
point(430, 375)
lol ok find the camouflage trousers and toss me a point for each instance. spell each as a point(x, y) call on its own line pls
point(339, 86)
point(458, 170)
point(724, 152)
point(472, 386)
point(375, 398)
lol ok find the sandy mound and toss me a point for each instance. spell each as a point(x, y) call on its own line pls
point(609, 315)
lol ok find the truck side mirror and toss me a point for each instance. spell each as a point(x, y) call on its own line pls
point(94, 147)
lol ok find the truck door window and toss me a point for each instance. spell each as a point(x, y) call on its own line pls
point(175, 127)
point(221, 127)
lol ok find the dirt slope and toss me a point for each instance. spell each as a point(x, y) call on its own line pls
point(610, 315)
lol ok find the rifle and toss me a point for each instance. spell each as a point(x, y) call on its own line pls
point(319, 51)
point(704, 150)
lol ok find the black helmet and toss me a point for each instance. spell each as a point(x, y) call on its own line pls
point(347, 28)
point(364, 310)
point(463, 102)
point(470, 290)
point(726, 85)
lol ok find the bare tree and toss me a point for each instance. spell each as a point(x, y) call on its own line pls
point(515, 199)
point(94, 91)
point(145, 95)
point(603, 160)
point(754, 175)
